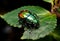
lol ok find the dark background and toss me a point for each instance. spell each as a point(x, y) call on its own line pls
point(13, 4)
point(16, 33)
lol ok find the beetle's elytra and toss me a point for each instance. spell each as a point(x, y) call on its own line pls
point(26, 18)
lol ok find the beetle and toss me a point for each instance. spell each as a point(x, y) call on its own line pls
point(26, 18)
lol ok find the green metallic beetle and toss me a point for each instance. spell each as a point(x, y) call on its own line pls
point(26, 18)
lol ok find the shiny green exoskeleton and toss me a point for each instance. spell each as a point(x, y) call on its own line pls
point(26, 18)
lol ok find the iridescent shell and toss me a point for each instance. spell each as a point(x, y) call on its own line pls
point(26, 18)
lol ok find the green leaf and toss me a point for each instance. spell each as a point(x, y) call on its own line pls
point(47, 38)
point(12, 18)
point(49, 1)
point(56, 33)
point(47, 22)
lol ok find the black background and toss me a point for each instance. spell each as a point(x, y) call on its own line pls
point(13, 4)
